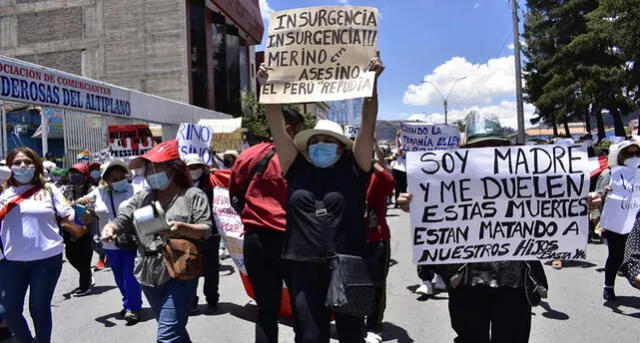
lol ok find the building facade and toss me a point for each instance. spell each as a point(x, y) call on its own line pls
point(194, 51)
point(346, 112)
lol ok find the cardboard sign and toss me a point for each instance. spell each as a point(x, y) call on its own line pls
point(229, 226)
point(425, 137)
point(126, 141)
point(499, 204)
point(195, 139)
point(320, 54)
point(620, 201)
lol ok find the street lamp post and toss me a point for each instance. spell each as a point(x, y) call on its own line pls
point(445, 100)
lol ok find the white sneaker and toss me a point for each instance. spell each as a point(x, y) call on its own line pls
point(425, 289)
point(222, 253)
point(439, 284)
point(373, 337)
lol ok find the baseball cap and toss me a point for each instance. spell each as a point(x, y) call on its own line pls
point(193, 159)
point(80, 167)
point(163, 152)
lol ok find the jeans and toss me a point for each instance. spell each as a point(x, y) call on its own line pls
point(79, 254)
point(170, 303)
point(211, 261)
point(309, 282)
point(482, 314)
point(265, 268)
point(40, 277)
point(616, 244)
point(381, 252)
point(121, 262)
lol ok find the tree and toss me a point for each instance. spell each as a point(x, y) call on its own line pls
point(255, 120)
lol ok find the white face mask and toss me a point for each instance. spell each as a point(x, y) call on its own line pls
point(196, 174)
point(632, 162)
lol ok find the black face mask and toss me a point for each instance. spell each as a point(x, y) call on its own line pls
point(77, 179)
point(228, 162)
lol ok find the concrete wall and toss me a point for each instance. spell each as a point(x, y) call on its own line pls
point(137, 44)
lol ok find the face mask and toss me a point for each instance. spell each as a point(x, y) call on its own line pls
point(120, 186)
point(196, 174)
point(632, 162)
point(323, 155)
point(23, 175)
point(158, 181)
point(138, 172)
point(95, 174)
point(77, 179)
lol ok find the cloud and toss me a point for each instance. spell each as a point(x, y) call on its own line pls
point(484, 83)
point(343, 2)
point(506, 111)
point(476, 5)
point(511, 46)
point(265, 9)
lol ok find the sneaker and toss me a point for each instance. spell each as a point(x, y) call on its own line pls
point(83, 292)
point(132, 317)
point(438, 283)
point(373, 337)
point(100, 265)
point(425, 289)
point(222, 253)
point(609, 294)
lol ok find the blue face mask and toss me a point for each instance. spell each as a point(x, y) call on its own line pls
point(95, 174)
point(23, 175)
point(120, 186)
point(323, 155)
point(158, 181)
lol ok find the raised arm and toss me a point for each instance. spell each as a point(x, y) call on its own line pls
point(363, 146)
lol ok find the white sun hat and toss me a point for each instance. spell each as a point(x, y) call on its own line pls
point(323, 127)
point(193, 159)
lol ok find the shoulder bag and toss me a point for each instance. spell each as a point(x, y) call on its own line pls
point(182, 256)
point(16, 201)
point(535, 282)
point(354, 279)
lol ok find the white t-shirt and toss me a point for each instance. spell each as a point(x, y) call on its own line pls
point(103, 209)
point(30, 231)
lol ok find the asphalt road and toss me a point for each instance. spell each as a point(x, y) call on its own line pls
point(574, 312)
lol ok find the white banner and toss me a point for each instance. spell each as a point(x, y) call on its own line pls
point(499, 204)
point(195, 139)
point(320, 54)
point(229, 226)
point(620, 203)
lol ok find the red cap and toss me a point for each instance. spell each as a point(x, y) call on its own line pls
point(81, 167)
point(163, 152)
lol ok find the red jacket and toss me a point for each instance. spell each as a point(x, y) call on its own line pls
point(266, 195)
point(381, 186)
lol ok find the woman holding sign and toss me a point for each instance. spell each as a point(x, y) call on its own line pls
point(327, 177)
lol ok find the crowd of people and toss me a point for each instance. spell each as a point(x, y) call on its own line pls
point(308, 199)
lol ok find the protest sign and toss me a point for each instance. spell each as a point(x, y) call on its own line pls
point(320, 54)
point(229, 226)
point(195, 139)
point(425, 137)
point(126, 141)
point(227, 134)
point(620, 201)
point(351, 131)
point(498, 204)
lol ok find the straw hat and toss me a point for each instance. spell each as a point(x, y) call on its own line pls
point(323, 127)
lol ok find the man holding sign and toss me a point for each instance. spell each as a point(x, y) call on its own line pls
point(489, 211)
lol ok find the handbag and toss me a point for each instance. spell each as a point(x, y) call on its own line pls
point(183, 259)
point(535, 283)
point(354, 280)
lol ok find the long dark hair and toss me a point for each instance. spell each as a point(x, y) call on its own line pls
point(38, 178)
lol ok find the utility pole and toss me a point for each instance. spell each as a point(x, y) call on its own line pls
point(516, 52)
point(445, 100)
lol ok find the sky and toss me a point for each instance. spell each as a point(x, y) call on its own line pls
point(440, 41)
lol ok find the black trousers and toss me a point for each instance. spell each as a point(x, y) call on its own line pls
point(483, 314)
point(309, 282)
point(211, 269)
point(381, 252)
point(265, 268)
point(616, 244)
point(79, 253)
point(401, 182)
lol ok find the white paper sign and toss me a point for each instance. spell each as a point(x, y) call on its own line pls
point(619, 201)
point(229, 226)
point(426, 137)
point(351, 131)
point(195, 139)
point(499, 204)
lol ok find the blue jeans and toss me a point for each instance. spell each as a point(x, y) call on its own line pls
point(170, 304)
point(121, 262)
point(40, 277)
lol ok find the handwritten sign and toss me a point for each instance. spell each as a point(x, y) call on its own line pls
point(351, 131)
point(195, 139)
point(229, 226)
point(425, 137)
point(498, 204)
point(320, 54)
point(620, 201)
